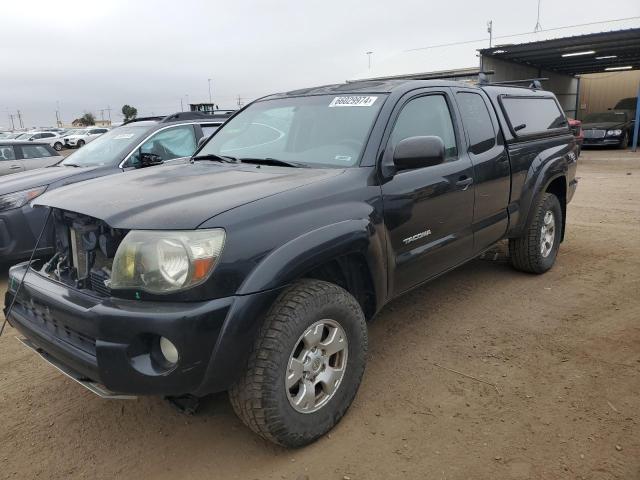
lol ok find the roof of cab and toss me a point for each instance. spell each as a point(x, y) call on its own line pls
point(371, 86)
point(389, 86)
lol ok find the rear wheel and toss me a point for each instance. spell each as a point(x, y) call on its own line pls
point(57, 146)
point(536, 250)
point(306, 365)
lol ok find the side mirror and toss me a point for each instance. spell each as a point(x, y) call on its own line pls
point(202, 141)
point(418, 152)
point(149, 159)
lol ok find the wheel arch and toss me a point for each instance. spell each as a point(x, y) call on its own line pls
point(348, 253)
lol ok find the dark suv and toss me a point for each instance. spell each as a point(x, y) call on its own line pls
point(256, 267)
point(136, 144)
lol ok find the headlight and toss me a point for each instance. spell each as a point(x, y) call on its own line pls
point(165, 262)
point(614, 133)
point(20, 199)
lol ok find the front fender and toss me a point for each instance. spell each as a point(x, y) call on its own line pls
point(300, 255)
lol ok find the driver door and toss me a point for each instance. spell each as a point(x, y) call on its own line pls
point(428, 211)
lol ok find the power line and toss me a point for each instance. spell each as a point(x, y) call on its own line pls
point(465, 42)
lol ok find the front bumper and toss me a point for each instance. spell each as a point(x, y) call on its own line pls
point(602, 142)
point(102, 339)
point(19, 231)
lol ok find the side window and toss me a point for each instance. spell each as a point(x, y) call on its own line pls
point(426, 116)
point(477, 122)
point(46, 135)
point(36, 136)
point(207, 130)
point(529, 115)
point(34, 151)
point(168, 144)
point(7, 153)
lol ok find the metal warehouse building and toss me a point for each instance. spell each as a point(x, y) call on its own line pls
point(588, 67)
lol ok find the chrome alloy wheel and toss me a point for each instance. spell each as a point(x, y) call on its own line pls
point(316, 366)
point(547, 233)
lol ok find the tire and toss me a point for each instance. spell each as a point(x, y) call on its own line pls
point(57, 146)
point(80, 143)
point(527, 253)
point(261, 397)
point(624, 143)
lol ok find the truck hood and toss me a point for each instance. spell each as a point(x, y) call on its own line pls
point(177, 197)
point(36, 178)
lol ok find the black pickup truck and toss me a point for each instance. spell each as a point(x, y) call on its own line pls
point(256, 267)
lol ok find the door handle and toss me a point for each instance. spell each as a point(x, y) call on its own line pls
point(464, 182)
point(14, 167)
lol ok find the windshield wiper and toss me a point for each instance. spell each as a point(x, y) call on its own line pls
point(214, 157)
point(273, 161)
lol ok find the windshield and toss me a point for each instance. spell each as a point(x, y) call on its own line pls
point(320, 131)
point(605, 117)
point(24, 136)
point(627, 104)
point(108, 149)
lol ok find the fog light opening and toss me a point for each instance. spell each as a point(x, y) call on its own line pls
point(169, 351)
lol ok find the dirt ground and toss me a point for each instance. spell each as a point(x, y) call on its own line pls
point(485, 373)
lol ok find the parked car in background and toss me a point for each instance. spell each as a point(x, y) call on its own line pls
point(611, 128)
point(17, 156)
point(141, 143)
point(82, 137)
point(52, 138)
point(11, 136)
point(255, 267)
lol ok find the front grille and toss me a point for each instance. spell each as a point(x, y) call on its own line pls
point(594, 133)
point(41, 317)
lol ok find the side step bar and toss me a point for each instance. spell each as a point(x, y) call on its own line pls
point(94, 387)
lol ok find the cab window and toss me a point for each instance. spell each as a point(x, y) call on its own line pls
point(426, 116)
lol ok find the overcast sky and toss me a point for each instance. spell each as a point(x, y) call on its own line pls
point(90, 55)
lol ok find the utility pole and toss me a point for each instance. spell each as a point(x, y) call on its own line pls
point(369, 58)
point(209, 80)
point(20, 119)
point(490, 31)
point(109, 112)
point(240, 102)
point(58, 121)
point(538, 27)
point(13, 127)
point(181, 105)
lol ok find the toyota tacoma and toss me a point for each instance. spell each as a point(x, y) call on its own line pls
point(255, 267)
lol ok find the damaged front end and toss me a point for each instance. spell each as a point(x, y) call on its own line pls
point(85, 248)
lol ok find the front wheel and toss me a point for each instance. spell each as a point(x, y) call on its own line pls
point(306, 365)
point(536, 250)
point(80, 143)
point(57, 146)
point(624, 143)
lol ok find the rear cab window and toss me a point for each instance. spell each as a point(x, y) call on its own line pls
point(533, 116)
point(477, 122)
